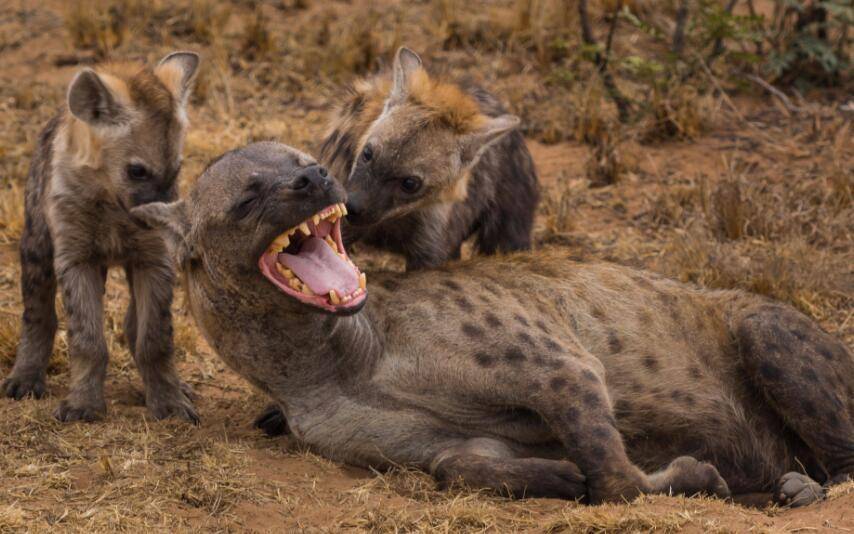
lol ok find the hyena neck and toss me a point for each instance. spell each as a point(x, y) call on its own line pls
point(287, 353)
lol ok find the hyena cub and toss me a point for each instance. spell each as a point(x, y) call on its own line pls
point(428, 164)
point(118, 145)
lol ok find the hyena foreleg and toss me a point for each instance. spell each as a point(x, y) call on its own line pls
point(149, 327)
point(38, 288)
point(83, 292)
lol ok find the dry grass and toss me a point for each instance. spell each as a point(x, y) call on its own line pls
point(755, 198)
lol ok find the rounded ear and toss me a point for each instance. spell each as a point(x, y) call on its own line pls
point(494, 128)
point(93, 102)
point(406, 62)
point(177, 72)
point(173, 219)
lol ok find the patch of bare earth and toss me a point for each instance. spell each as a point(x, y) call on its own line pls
point(760, 198)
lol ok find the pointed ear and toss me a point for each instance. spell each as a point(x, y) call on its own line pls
point(406, 62)
point(173, 219)
point(494, 128)
point(177, 71)
point(92, 101)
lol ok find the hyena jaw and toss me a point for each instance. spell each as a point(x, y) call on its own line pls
point(116, 145)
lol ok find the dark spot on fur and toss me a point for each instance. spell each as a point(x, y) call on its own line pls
point(514, 355)
point(552, 345)
point(521, 320)
point(492, 320)
point(389, 284)
point(832, 419)
point(825, 352)
point(591, 399)
point(557, 383)
point(622, 407)
point(636, 387)
point(572, 414)
point(598, 313)
point(484, 360)
point(695, 373)
point(472, 330)
point(601, 432)
point(676, 395)
point(808, 407)
point(450, 284)
point(491, 288)
point(690, 400)
point(810, 374)
point(650, 363)
point(614, 343)
point(464, 304)
point(769, 371)
point(524, 337)
point(542, 326)
point(589, 375)
point(645, 318)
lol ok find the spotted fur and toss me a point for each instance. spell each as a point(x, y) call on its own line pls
point(599, 382)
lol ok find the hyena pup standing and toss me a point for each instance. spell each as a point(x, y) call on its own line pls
point(116, 146)
point(428, 164)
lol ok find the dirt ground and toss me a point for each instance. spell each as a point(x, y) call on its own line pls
point(759, 198)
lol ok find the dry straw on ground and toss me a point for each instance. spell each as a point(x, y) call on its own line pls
point(720, 190)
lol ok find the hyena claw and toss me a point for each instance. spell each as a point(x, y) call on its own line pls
point(22, 387)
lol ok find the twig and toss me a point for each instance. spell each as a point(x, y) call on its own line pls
point(776, 92)
point(719, 47)
point(623, 104)
point(679, 32)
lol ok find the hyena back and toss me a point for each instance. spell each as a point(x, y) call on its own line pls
point(117, 145)
point(427, 164)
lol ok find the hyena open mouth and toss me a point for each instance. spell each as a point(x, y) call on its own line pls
point(309, 263)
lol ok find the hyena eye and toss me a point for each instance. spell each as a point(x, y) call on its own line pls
point(410, 184)
point(137, 172)
point(368, 153)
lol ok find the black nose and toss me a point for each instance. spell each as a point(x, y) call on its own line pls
point(314, 175)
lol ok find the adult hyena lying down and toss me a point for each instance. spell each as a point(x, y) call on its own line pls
point(497, 371)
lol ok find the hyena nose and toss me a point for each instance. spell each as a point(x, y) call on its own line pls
point(314, 175)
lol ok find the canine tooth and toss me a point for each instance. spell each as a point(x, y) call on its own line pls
point(292, 231)
point(343, 209)
point(333, 296)
point(304, 228)
point(331, 243)
point(363, 281)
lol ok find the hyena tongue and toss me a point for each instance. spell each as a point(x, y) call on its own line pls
point(320, 268)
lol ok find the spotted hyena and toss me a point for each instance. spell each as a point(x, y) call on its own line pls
point(532, 374)
point(116, 145)
point(428, 163)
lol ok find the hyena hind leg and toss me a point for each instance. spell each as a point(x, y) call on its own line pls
point(807, 377)
point(38, 329)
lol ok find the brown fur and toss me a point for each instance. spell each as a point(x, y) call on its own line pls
point(120, 119)
point(477, 177)
point(532, 374)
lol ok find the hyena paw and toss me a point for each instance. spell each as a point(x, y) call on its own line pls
point(553, 478)
point(272, 421)
point(69, 411)
point(687, 476)
point(796, 489)
point(20, 387)
point(174, 404)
